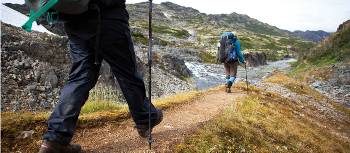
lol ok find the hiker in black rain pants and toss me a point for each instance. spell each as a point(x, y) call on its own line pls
point(116, 48)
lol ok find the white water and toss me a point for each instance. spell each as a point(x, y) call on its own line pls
point(211, 75)
point(206, 75)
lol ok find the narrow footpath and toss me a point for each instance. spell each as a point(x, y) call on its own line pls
point(178, 123)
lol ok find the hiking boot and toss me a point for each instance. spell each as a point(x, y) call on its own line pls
point(229, 84)
point(144, 130)
point(54, 147)
point(228, 90)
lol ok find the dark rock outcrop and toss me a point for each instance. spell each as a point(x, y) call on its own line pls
point(175, 66)
point(254, 59)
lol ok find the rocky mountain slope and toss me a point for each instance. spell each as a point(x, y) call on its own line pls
point(337, 46)
point(35, 66)
point(32, 80)
point(185, 27)
point(327, 65)
point(179, 26)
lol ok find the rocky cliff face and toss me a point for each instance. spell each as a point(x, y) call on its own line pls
point(35, 67)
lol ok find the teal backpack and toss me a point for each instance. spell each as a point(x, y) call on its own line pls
point(226, 51)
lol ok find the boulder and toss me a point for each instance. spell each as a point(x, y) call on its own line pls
point(254, 59)
point(175, 66)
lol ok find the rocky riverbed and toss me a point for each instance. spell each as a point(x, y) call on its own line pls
point(337, 86)
point(210, 75)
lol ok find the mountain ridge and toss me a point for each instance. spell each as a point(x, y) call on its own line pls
point(310, 35)
point(186, 27)
point(236, 19)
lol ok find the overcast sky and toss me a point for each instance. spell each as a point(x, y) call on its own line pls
point(285, 14)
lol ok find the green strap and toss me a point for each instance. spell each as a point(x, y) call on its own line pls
point(35, 15)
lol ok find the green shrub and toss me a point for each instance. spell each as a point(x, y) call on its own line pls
point(138, 37)
point(207, 57)
point(178, 33)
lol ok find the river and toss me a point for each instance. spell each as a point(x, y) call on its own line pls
point(211, 75)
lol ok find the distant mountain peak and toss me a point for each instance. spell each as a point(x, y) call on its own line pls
point(310, 35)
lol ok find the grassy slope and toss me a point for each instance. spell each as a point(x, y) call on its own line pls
point(318, 60)
point(266, 122)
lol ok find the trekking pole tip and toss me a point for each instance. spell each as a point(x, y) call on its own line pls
point(27, 26)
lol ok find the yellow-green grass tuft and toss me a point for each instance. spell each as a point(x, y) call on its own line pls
point(262, 123)
point(294, 85)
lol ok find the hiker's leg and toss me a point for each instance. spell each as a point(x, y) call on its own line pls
point(227, 69)
point(233, 71)
point(227, 72)
point(118, 51)
point(82, 77)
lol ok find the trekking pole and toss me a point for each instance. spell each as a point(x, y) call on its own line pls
point(150, 72)
point(35, 15)
point(246, 76)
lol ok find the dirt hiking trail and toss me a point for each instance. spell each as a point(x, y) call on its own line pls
point(178, 122)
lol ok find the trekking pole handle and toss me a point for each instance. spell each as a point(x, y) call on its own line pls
point(27, 26)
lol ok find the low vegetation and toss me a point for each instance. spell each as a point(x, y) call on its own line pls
point(267, 122)
point(334, 49)
point(138, 37)
point(167, 30)
point(294, 85)
point(207, 57)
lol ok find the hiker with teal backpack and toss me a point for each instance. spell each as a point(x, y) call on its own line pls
point(97, 30)
point(229, 53)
